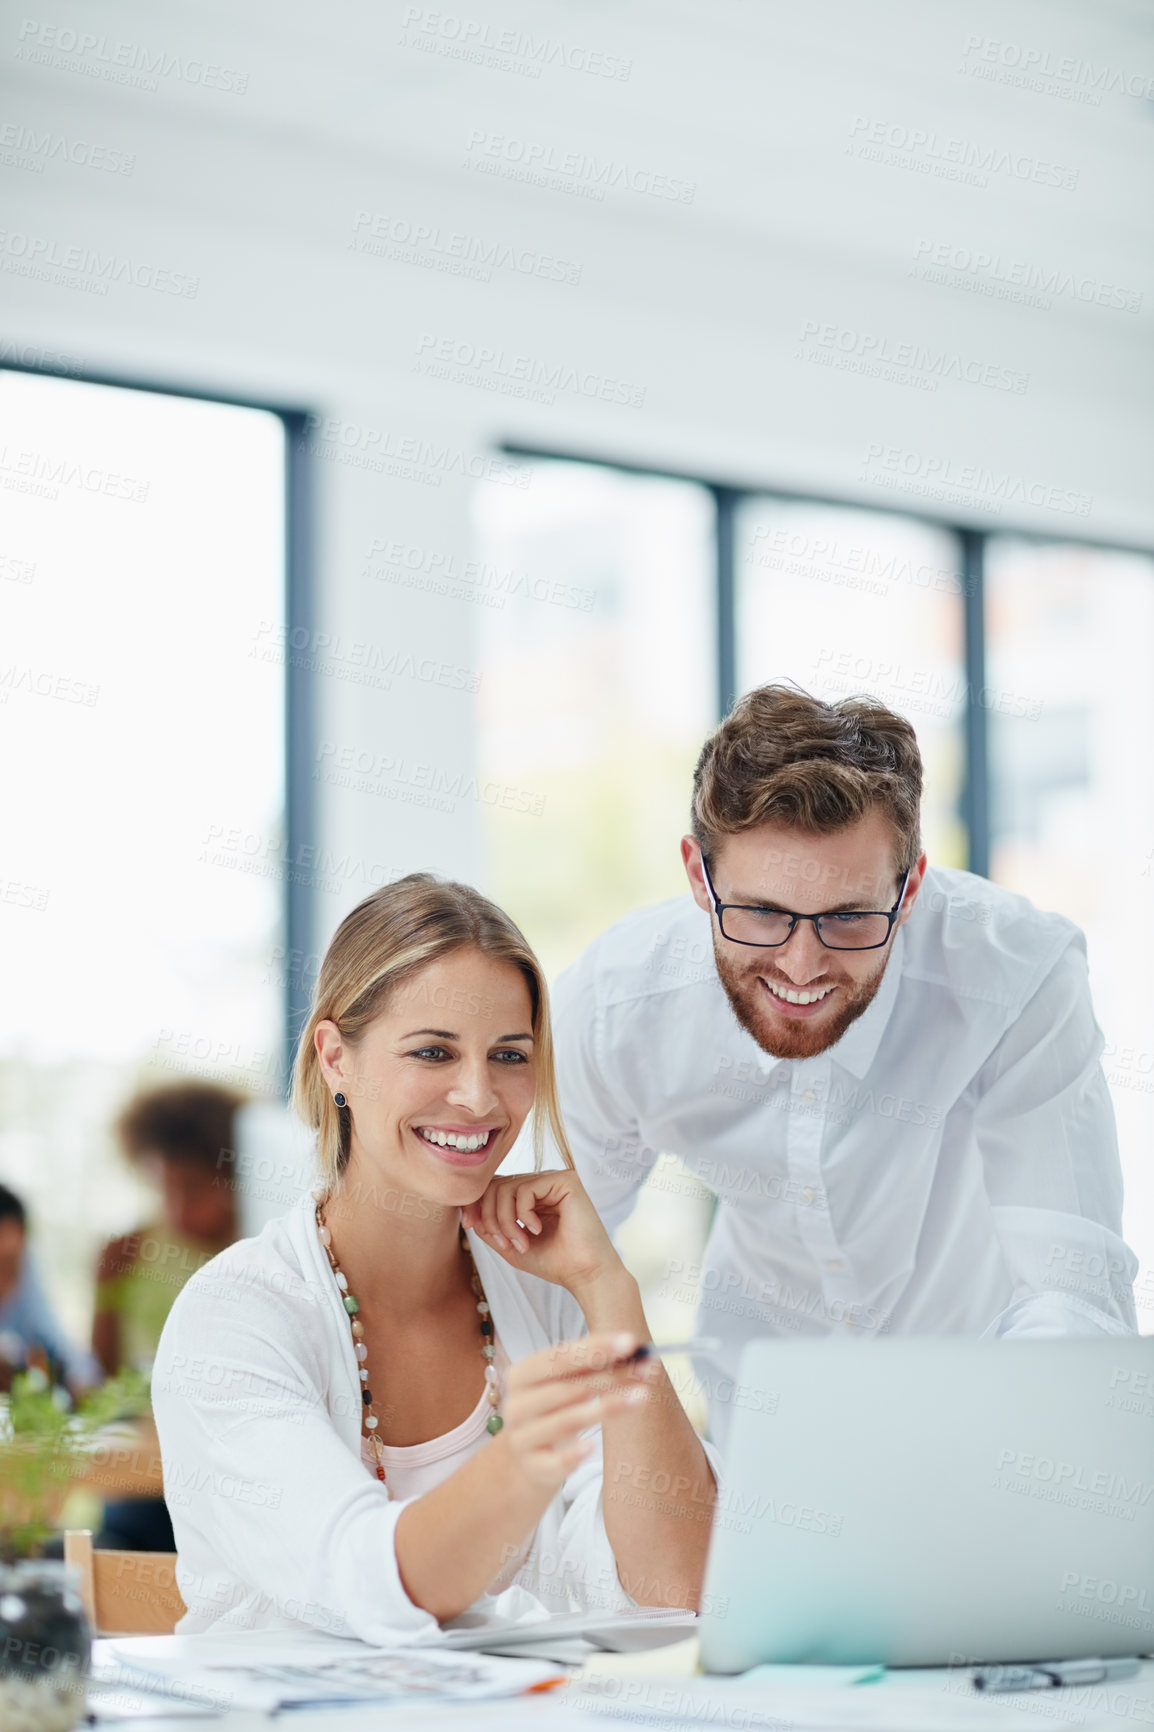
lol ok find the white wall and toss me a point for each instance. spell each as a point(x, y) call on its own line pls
point(254, 192)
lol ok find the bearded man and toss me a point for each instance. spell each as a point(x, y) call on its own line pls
point(886, 1072)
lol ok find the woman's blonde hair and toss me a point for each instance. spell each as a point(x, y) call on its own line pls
point(388, 938)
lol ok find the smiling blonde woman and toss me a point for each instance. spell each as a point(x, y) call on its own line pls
point(412, 1395)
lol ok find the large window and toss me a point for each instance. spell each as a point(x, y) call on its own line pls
point(597, 645)
point(623, 610)
point(1071, 635)
point(844, 602)
point(142, 707)
point(1023, 666)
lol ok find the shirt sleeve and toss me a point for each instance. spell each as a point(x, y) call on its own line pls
point(609, 1151)
point(261, 1489)
point(1045, 1130)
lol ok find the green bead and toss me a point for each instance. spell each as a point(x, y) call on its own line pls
point(352, 1306)
point(493, 1424)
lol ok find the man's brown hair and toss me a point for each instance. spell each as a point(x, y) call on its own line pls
point(784, 757)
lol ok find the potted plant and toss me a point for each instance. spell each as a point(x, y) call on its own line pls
point(45, 1443)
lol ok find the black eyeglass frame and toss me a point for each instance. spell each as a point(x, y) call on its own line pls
point(719, 907)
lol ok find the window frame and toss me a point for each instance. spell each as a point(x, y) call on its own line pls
point(975, 801)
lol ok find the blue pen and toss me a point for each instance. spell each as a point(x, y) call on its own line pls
point(1052, 1674)
point(659, 1349)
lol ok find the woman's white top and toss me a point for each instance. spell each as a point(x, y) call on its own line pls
point(411, 1469)
point(258, 1407)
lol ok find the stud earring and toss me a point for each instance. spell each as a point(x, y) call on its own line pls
point(340, 1100)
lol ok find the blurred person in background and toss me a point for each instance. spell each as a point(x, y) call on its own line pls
point(181, 1136)
point(30, 1334)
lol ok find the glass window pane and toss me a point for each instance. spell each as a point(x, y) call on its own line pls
point(599, 686)
point(846, 602)
point(598, 689)
point(141, 700)
point(1070, 636)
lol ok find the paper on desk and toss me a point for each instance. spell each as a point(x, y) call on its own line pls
point(772, 1705)
point(107, 1703)
point(179, 1689)
point(678, 1660)
point(809, 1677)
point(269, 1683)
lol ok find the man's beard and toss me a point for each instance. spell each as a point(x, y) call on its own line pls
point(787, 1038)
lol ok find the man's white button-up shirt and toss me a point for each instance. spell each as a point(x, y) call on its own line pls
point(949, 1167)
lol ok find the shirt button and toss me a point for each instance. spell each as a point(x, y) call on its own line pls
point(835, 1263)
point(851, 1322)
point(808, 1098)
point(808, 1194)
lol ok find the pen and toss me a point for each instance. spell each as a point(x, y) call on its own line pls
point(1051, 1674)
point(659, 1349)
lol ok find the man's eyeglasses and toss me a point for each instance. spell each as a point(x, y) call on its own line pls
point(769, 927)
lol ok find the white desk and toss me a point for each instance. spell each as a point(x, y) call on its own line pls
point(1126, 1704)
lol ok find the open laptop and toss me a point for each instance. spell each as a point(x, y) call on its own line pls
point(927, 1502)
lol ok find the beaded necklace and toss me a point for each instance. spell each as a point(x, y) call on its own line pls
point(488, 1350)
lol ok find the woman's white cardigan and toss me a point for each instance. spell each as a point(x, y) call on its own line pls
point(258, 1407)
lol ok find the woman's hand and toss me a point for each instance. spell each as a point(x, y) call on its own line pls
point(545, 1224)
point(453, 1541)
point(552, 1397)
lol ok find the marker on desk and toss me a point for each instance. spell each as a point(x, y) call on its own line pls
point(660, 1349)
point(1052, 1674)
